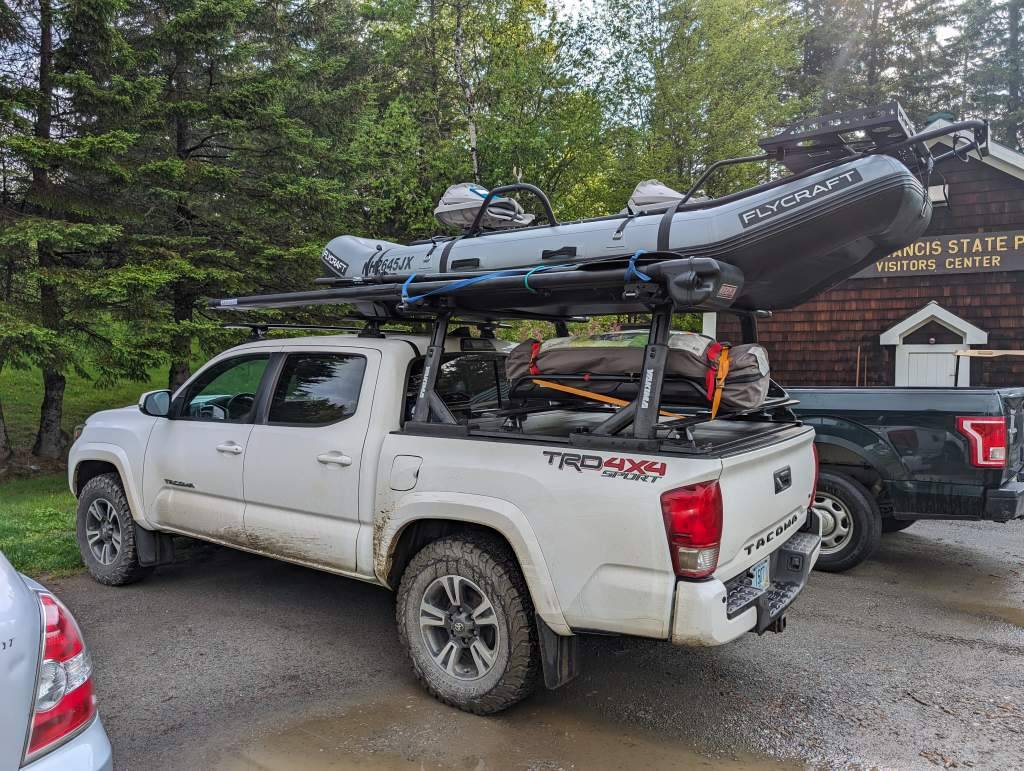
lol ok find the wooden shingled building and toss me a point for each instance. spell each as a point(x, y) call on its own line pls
point(898, 322)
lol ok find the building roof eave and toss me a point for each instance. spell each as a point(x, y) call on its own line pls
point(972, 334)
point(1000, 157)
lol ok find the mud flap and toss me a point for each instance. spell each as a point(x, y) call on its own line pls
point(153, 548)
point(558, 655)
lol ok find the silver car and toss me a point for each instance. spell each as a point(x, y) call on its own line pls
point(48, 718)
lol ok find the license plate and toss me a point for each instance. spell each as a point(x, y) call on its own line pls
point(759, 575)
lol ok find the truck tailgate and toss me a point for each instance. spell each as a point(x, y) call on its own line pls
point(764, 499)
point(1013, 409)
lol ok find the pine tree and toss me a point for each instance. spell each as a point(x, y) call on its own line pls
point(863, 54)
point(58, 240)
point(230, 187)
point(990, 65)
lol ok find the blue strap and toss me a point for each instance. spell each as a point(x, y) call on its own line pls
point(456, 285)
point(632, 271)
point(405, 289)
point(526, 278)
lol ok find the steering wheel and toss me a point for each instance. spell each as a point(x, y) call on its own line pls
point(239, 405)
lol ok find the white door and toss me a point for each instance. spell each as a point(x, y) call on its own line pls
point(192, 479)
point(931, 369)
point(302, 464)
point(930, 365)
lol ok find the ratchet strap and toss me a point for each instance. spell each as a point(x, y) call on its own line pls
point(595, 396)
point(721, 371)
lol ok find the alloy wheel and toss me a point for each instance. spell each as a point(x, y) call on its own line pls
point(459, 627)
point(103, 531)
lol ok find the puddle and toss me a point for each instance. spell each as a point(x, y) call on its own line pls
point(414, 732)
point(1009, 613)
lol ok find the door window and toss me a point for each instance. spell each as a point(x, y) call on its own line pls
point(315, 389)
point(226, 391)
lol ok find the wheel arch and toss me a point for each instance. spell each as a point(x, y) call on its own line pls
point(106, 459)
point(420, 519)
point(843, 457)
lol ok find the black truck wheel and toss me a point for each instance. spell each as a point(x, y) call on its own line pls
point(106, 533)
point(890, 525)
point(466, 619)
point(851, 524)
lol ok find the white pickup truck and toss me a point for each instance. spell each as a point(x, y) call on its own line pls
point(504, 543)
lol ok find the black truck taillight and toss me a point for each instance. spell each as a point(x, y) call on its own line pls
point(986, 438)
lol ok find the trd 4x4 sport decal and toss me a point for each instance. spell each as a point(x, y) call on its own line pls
point(633, 469)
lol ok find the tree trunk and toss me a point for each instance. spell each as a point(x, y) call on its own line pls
point(181, 344)
point(6, 451)
point(1014, 85)
point(183, 297)
point(874, 55)
point(467, 91)
point(51, 441)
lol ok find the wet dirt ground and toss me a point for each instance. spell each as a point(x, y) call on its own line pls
point(912, 660)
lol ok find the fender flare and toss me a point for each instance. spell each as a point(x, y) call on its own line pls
point(888, 471)
point(118, 458)
point(495, 513)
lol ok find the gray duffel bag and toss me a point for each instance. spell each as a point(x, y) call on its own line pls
point(610, 364)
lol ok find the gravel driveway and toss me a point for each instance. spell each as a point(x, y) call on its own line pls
point(230, 661)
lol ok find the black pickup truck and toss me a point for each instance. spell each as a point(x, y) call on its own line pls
point(892, 456)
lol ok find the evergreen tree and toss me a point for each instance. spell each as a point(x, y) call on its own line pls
point(989, 67)
point(861, 54)
point(230, 186)
point(58, 63)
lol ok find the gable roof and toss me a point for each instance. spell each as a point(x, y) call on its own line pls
point(1000, 157)
point(934, 312)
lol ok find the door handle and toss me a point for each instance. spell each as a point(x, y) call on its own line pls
point(230, 447)
point(334, 457)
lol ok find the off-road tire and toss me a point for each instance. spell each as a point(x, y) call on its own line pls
point(866, 520)
point(491, 565)
point(890, 525)
point(125, 568)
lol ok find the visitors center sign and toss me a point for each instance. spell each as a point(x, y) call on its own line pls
point(961, 253)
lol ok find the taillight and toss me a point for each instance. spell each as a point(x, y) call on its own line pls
point(64, 699)
point(986, 438)
point(693, 524)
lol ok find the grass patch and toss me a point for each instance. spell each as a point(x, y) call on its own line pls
point(37, 526)
point(21, 393)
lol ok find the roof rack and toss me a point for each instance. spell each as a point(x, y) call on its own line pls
point(548, 293)
point(659, 283)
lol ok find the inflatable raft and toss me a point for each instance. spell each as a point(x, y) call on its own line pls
point(791, 238)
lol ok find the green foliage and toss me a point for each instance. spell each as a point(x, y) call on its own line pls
point(21, 394)
point(172, 150)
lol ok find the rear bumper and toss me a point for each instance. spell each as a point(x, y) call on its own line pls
point(1005, 503)
point(88, 751)
point(713, 613)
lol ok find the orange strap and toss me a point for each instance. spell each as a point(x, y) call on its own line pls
point(723, 370)
point(595, 396)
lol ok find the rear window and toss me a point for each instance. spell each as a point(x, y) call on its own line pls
point(467, 383)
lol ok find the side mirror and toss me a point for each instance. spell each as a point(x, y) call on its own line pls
point(156, 404)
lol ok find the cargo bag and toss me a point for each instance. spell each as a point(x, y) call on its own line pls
point(610, 364)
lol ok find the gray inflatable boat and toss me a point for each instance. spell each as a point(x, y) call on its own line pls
point(857, 192)
point(836, 221)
